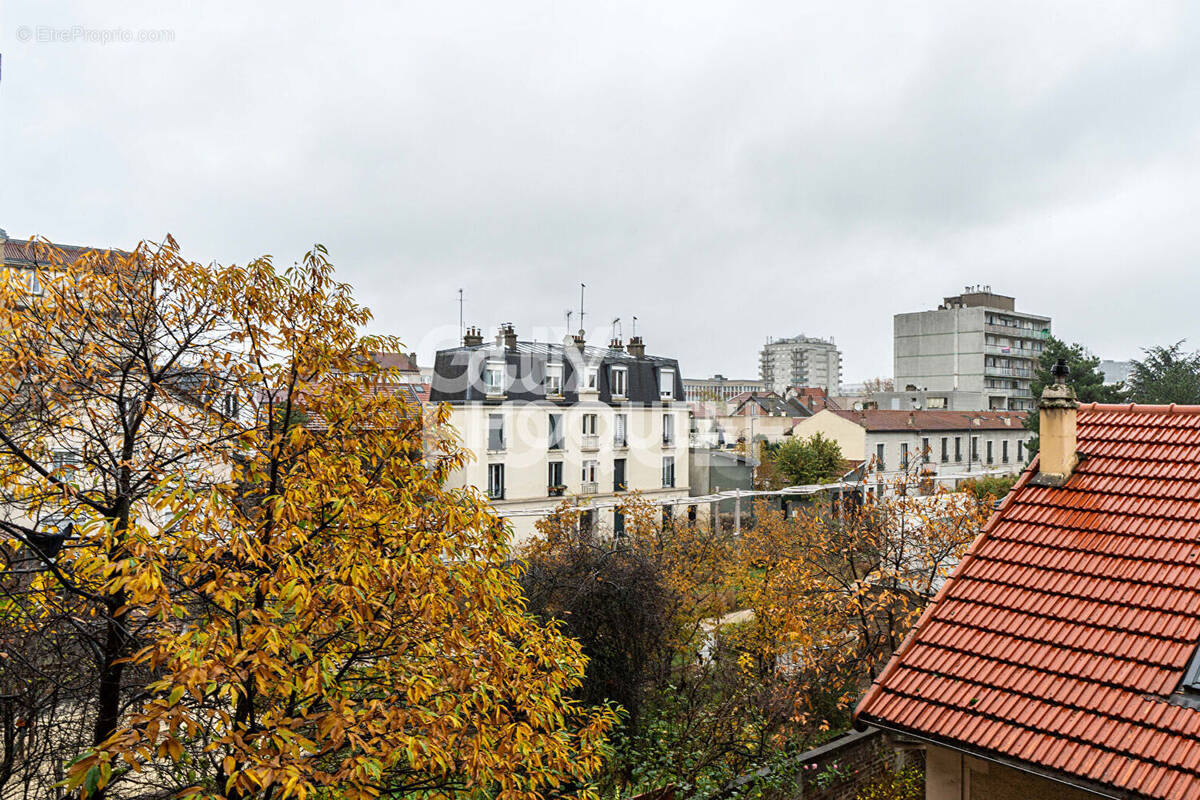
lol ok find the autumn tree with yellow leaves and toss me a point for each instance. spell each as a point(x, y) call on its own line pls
point(270, 589)
point(766, 639)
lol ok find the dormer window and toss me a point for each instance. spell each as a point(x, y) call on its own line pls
point(619, 378)
point(554, 373)
point(666, 384)
point(493, 378)
point(591, 378)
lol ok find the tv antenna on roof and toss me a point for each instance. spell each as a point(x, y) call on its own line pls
point(460, 314)
point(616, 328)
point(569, 313)
point(634, 327)
point(582, 286)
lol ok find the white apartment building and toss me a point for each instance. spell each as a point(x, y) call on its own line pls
point(974, 352)
point(718, 387)
point(800, 361)
point(548, 422)
point(891, 444)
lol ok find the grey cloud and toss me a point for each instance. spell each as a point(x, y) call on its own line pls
point(723, 171)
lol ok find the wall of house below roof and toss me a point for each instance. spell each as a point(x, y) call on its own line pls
point(850, 436)
point(772, 429)
point(526, 454)
point(949, 775)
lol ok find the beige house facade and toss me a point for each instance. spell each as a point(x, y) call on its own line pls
point(894, 443)
point(548, 424)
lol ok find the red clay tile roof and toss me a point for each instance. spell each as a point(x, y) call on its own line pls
point(927, 420)
point(19, 253)
point(1072, 619)
point(403, 362)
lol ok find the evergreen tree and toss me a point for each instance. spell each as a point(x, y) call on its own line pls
point(1166, 375)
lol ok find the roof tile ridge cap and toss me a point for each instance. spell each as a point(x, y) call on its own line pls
point(894, 662)
point(1142, 408)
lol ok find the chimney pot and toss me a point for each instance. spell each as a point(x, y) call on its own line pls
point(473, 337)
point(636, 347)
point(509, 334)
point(1060, 371)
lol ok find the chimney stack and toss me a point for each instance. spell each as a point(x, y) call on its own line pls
point(616, 344)
point(509, 333)
point(1056, 422)
point(637, 348)
point(473, 337)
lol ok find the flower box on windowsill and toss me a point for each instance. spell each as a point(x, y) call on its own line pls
point(556, 491)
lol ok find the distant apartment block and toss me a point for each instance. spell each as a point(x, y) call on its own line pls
point(975, 349)
point(1115, 371)
point(800, 361)
point(718, 387)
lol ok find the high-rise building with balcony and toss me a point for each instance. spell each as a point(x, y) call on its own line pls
point(801, 361)
point(975, 347)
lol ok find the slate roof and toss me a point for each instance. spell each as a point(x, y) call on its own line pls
point(1062, 639)
point(880, 420)
point(767, 404)
point(458, 373)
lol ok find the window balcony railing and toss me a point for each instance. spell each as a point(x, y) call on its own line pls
point(1008, 350)
point(590, 442)
point(1016, 372)
point(589, 487)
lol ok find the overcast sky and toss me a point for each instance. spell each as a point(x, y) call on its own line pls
point(723, 171)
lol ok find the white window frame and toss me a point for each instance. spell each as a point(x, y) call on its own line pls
point(590, 471)
point(619, 381)
point(591, 379)
point(554, 380)
point(495, 488)
point(668, 436)
point(590, 424)
point(65, 458)
point(666, 377)
point(620, 430)
point(494, 368)
point(668, 467)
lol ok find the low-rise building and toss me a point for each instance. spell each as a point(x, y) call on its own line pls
point(714, 471)
point(894, 443)
point(718, 387)
point(1060, 659)
point(752, 417)
point(548, 422)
